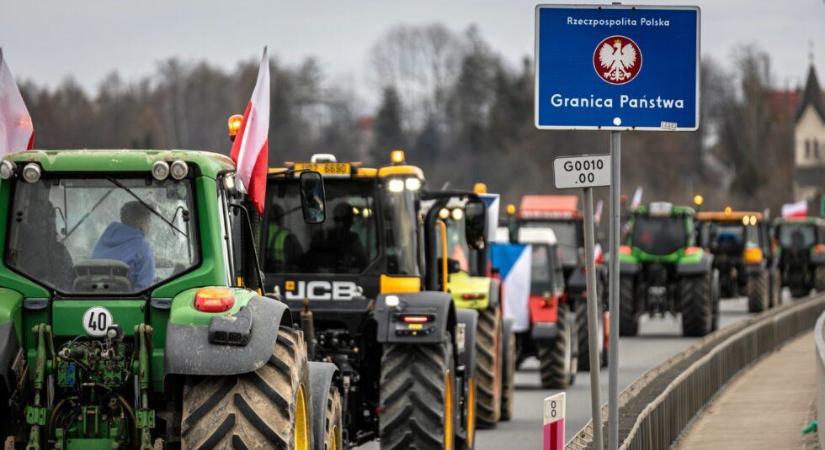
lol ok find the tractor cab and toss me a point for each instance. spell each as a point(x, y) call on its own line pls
point(365, 246)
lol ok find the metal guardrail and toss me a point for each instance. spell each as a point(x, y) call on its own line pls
point(820, 379)
point(715, 361)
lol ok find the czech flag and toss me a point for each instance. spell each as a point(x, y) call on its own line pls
point(16, 128)
point(250, 150)
point(514, 262)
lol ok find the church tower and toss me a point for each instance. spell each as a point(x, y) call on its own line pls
point(809, 141)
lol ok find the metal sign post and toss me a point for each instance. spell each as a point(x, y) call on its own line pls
point(586, 172)
point(613, 303)
point(616, 67)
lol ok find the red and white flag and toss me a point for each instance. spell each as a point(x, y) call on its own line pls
point(16, 128)
point(250, 151)
point(798, 209)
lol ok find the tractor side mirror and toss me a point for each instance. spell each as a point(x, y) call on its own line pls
point(475, 223)
point(313, 199)
point(452, 265)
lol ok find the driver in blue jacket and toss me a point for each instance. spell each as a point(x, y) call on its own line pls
point(125, 241)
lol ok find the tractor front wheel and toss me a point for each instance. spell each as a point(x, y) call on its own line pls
point(508, 375)
point(628, 316)
point(557, 367)
point(819, 279)
point(758, 292)
point(488, 367)
point(267, 408)
point(697, 308)
point(334, 421)
point(417, 400)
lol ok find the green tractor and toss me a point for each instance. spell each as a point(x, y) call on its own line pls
point(801, 248)
point(661, 271)
point(129, 311)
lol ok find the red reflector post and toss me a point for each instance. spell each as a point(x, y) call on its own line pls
point(214, 300)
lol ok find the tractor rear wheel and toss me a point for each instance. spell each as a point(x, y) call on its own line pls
point(508, 377)
point(758, 292)
point(697, 308)
point(819, 279)
point(488, 367)
point(628, 316)
point(264, 409)
point(417, 400)
point(557, 367)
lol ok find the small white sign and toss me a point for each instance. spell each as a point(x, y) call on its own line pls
point(577, 172)
point(97, 320)
point(554, 408)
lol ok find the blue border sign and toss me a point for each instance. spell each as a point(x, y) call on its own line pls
point(617, 67)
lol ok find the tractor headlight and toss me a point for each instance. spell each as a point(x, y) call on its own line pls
point(7, 169)
point(412, 184)
point(160, 170)
point(444, 213)
point(31, 173)
point(457, 214)
point(396, 185)
point(179, 170)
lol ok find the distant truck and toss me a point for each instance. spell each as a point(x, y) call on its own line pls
point(561, 214)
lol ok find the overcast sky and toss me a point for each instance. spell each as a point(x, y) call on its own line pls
point(47, 40)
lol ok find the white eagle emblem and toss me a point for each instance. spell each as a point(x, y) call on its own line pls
point(618, 60)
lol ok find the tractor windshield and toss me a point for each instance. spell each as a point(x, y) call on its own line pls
point(792, 235)
point(659, 235)
point(731, 238)
point(102, 235)
point(345, 243)
point(567, 236)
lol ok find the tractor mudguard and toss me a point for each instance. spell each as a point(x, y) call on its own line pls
point(436, 306)
point(703, 266)
point(544, 331)
point(629, 268)
point(320, 382)
point(817, 259)
point(8, 350)
point(467, 351)
point(189, 352)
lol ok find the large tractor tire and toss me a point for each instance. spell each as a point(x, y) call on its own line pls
point(488, 367)
point(557, 365)
point(628, 316)
point(264, 409)
point(819, 279)
point(716, 300)
point(697, 305)
point(758, 292)
point(417, 398)
point(508, 374)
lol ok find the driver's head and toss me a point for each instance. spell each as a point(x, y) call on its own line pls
point(343, 216)
point(135, 215)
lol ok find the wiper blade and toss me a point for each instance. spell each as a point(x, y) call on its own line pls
point(145, 205)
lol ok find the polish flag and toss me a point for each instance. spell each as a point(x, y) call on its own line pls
point(16, 128)
point(250, 151)
point(798, 209)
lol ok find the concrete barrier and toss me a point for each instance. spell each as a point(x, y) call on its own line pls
point(657, 407)
point(820, 379)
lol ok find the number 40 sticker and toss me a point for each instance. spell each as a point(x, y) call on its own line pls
point(97, 320)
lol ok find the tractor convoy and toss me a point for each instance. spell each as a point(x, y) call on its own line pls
point(145, 304)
